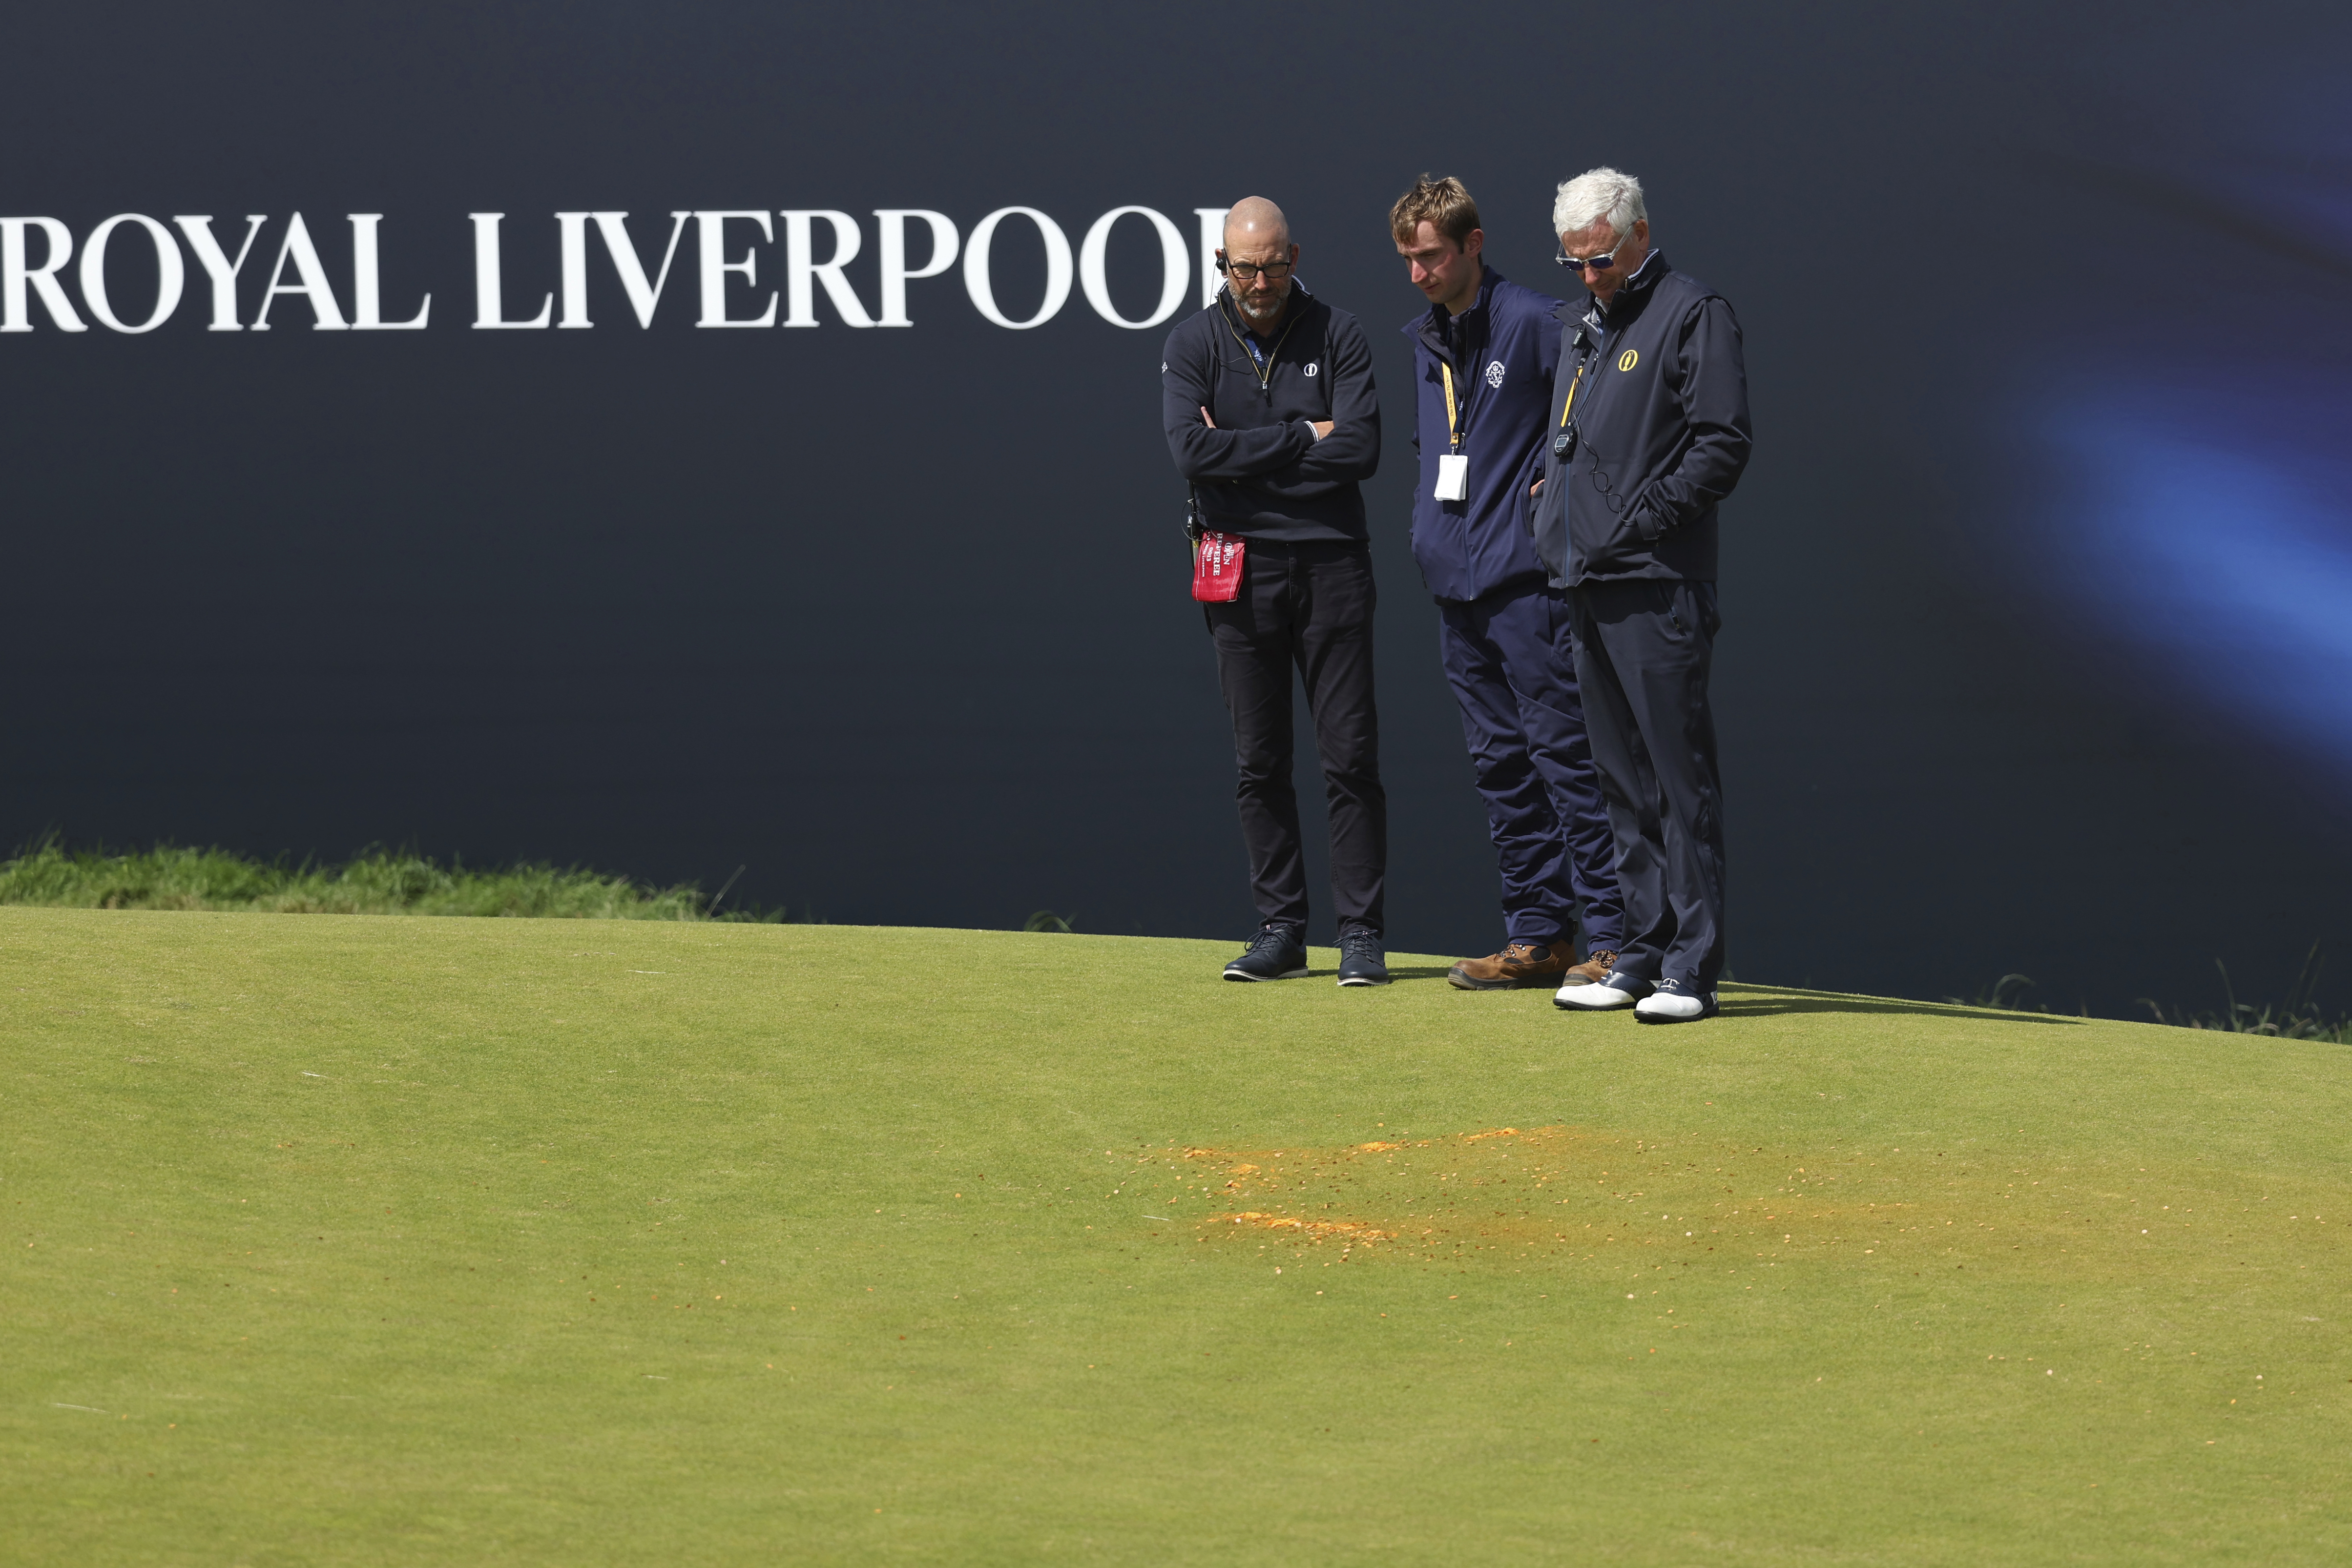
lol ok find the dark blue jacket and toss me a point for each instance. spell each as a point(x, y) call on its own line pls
point(1661, 432)
point(1261, 472)
point(1503, 349)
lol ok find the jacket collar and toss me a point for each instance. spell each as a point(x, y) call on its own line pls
point(1635, 288)
point(1431, 325)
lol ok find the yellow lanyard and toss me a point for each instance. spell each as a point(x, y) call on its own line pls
point(1571, 390)
point(1453, 421)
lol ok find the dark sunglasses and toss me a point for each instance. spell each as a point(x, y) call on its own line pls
point(1597, 262)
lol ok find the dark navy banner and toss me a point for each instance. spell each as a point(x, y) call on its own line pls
point(672, 438)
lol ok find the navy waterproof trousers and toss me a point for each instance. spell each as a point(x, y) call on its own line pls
point(1644, 648)
point(1510, 661)
point(1305, 607)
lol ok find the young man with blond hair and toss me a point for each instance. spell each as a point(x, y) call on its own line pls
point(1485, 352)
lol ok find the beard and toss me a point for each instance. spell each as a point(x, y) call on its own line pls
point(1256, 307)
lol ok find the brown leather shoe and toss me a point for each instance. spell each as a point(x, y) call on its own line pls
point(1520, 964)
point(1593, 970)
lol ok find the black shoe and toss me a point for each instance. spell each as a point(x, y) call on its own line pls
point(1362, 960)
point(1276, 953)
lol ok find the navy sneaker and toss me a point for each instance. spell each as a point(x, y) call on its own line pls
point(1619, 990)
point(1676, 1001)
point(1278, 952)
point(1362, 960)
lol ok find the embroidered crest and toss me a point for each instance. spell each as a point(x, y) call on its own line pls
point(1494, 372)
point(1310, 368)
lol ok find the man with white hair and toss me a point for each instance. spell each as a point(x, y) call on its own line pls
point(1651, 432)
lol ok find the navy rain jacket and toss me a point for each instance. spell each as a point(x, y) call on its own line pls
point(1261, 473)
point(1468, 548)
point(1662, 433)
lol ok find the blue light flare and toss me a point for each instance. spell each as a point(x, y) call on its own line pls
point(2217, 545)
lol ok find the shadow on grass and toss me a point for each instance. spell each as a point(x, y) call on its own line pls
point(1396, 972)
point(1771, 1005)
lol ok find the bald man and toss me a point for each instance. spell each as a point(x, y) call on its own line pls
point(1270, 411)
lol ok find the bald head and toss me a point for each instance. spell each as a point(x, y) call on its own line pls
point(1257, 238)
point(1254, 224)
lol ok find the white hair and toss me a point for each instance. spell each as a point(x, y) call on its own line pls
point(1595, 194)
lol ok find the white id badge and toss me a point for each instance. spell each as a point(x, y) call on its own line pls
point(1452, 476)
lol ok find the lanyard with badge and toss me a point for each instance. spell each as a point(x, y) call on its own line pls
point(1452, 466)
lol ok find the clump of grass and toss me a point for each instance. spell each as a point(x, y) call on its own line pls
point(2297, 1017)
point(2010, 993)
point(376, 882)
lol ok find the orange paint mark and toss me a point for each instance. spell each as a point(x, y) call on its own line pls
point(1317, 1228)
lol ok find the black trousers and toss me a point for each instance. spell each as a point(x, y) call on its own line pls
point(1309, 607)
point(1643, 651)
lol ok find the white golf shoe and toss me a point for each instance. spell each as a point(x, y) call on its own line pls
point(1616, 991)
point(1676, 1003)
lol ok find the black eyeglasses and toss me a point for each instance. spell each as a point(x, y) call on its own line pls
point(1247, 273)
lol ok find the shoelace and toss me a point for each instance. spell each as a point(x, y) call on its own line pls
point(1359, 945)
point(1271, 938)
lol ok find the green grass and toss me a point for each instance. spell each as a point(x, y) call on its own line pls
point(405, 1242)
point(377, 882)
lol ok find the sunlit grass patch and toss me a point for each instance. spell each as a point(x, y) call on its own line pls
point(441, 1242)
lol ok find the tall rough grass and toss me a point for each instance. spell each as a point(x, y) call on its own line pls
point(377, 882)
point(2297, 1017)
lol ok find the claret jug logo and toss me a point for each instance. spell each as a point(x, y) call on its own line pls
point(1628, 359)
point(812, 248)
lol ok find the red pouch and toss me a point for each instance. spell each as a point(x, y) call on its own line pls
point(1217, 568)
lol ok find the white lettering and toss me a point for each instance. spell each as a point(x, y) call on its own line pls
point(571, 232)
point(891, 223)
point(1174, 264)
point(326, 315)
point(800, 270)
point(1212, 239)
point(711, 233)
point(490, 290)
point(367, 289)
point(1058, 267)
point(171, 272)
point(14, 275)
point(218, 266)
point(614, 227)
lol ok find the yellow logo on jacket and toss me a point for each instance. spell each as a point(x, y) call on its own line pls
point(1628, 359)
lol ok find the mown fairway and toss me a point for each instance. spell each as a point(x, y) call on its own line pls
point(380, 1241)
